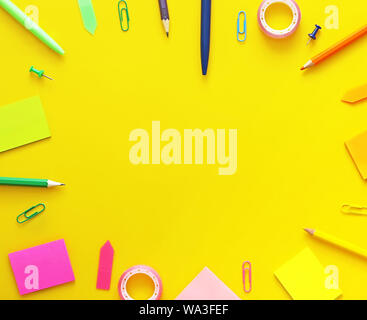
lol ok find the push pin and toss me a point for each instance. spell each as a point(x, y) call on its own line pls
point(313, 34)
point(40, 73)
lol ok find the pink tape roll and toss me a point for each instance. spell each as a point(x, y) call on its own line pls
point(296, 12)
point(150, 272)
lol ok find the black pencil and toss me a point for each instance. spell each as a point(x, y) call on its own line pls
point(164, 15)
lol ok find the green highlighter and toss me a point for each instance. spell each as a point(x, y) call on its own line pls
point(27, 23)
point(25, 182)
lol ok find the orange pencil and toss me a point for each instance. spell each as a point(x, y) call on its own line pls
point(335, 48)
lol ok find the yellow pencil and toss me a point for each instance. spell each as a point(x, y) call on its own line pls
point(338, 242)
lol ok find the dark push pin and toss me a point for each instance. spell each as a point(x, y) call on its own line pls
point(314, 33)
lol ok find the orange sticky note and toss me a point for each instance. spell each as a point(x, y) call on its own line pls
point(356, 94)
point(357, 148)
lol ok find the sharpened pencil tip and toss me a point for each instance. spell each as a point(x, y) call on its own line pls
point(310, 231)
point(167, 34)
point(303, 68)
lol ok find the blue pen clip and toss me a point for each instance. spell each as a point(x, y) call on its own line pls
point(244, 31)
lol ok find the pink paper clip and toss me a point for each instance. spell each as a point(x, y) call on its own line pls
point(247, 268)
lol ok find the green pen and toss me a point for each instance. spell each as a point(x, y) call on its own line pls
point(27, 23)
point(42, 183)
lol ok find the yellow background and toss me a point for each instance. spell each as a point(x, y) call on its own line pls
point(293, 169)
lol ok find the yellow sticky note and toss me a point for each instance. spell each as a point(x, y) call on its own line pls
point(357, 148)
point(304, 278)
point(21, 123)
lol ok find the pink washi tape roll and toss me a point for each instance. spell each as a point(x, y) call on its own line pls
point(296, 13)
point(150, 272)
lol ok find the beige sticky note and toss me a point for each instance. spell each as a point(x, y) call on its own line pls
point(357, 148)
point(21, 123)
point(304, 278)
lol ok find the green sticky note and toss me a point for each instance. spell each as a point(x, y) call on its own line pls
point(88, 15)
point(21, 123)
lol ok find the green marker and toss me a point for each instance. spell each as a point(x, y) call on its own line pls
point(42, 183)
point(27, 23)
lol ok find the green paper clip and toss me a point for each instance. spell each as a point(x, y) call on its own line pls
point(122, 6)
point(28, 217)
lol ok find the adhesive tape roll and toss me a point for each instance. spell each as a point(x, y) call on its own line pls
point(296, 18)
point(151, 273)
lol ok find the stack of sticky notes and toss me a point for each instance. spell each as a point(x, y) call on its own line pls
point(304, 278)
point(207, 286)
point(21, 123)
point(357, 148)
point(356, 94)
point(41, 267)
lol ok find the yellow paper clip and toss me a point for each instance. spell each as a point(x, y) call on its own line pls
point(347, 209)
point(24, 216)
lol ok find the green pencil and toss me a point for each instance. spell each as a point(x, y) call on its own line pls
point(27, 23)
point(43, 183)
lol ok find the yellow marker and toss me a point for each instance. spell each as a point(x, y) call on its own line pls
point(338, 242)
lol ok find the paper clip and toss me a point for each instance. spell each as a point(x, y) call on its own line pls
point(27, 217)
point(247, 268)
point(122, 7)
point(347, 209)
point(239, 32)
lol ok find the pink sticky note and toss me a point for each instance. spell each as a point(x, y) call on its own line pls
point(105, 266)
point(41, 267)
point(207, 286)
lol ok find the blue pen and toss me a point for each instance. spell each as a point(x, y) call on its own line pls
point(205, 34)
